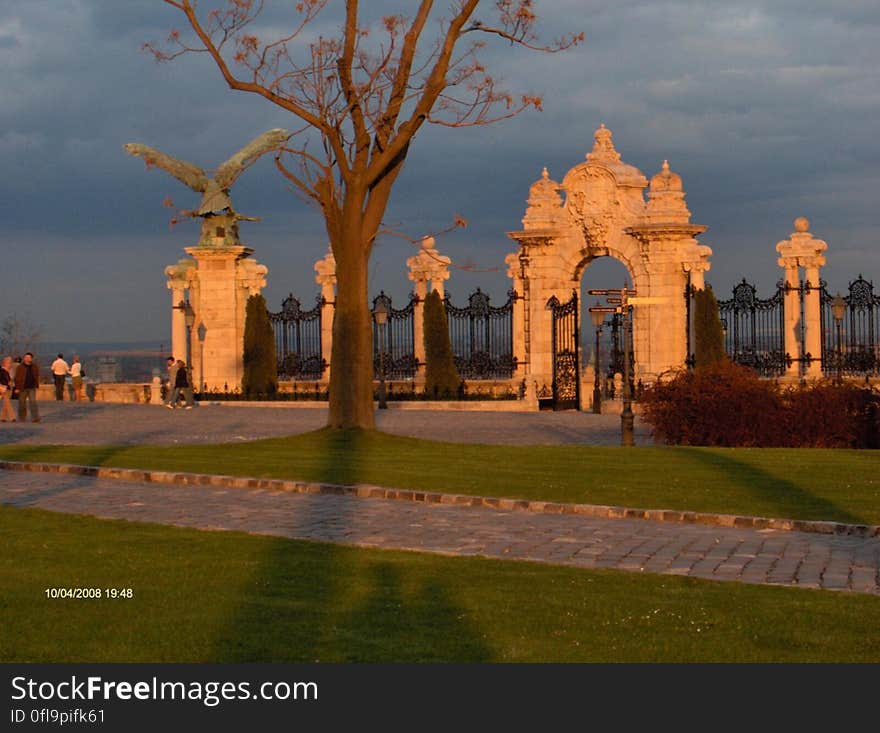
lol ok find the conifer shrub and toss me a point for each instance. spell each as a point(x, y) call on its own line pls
point(260, 366)
point(708, 334)
point(725, 404)
point(441, 375)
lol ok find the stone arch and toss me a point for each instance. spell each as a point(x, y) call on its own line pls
point(604, 212)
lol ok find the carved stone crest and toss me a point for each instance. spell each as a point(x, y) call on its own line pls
point(592, 202)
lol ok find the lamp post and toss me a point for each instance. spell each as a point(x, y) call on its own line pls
point(189, 317)
point(201, 331)
point(838, 310)
point(626, 416)
point(380, 316)
point(598, 319)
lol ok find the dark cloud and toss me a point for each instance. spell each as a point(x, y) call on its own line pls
point(766, 109)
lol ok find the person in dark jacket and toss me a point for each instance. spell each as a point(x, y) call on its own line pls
point(181, 385)
point(27, 382)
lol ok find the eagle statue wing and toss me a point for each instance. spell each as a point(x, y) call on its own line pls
point(229, 171)
point(187, 173)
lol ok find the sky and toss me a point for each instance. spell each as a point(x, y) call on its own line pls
point(767, 110)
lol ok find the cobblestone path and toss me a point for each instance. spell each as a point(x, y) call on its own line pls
point(805, 560)
point(89, 423)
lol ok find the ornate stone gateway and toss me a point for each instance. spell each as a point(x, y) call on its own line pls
point(566, 374)
point(605, 214)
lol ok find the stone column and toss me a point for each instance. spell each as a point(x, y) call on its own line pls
point(420, 288)
point(803, 250)
point(518, 325)
point(813, 316)
point(792, 317)
point(179, 277)
point(326, 278)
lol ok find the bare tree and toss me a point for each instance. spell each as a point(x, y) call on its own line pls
point(18, 334)
point(364, 94)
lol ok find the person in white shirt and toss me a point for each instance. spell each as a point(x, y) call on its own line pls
point(77, 377)
point(60, 370)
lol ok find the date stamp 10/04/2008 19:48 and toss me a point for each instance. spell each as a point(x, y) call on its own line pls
point(110, 592)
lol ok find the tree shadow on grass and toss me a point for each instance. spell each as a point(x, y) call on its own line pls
point(312, 601)
point(785, 499)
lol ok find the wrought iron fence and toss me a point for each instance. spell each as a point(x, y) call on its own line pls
point(754, 332)
point(482, 337)
point(393, 342)
point(859, 348)
point(298, 340)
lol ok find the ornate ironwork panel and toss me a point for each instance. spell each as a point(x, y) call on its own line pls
point(482, 337)
point(754, 332)
point(298, 340)
point(859, 350)
point(566, 371)
point(393, 342)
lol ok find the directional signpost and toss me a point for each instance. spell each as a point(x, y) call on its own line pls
point(622, 300)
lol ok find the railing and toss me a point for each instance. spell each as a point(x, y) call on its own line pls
point(754, 329)
point(859, 346)
point(393, 342)
point(298, 340)
point(482, 337)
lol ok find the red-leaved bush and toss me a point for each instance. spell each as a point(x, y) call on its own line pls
point(728, 405)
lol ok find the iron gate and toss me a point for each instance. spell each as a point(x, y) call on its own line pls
point(859, 345)
point(482, 337)
point(298, 340)
point(393, 342)
point(754, 329)
point(566, 371)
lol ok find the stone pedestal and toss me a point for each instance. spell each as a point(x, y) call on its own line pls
point(216, 282)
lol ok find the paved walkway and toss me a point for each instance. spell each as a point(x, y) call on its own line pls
point(81, 423)
point(716, 553)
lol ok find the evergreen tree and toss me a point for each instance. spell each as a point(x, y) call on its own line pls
point(708, 334)
point(441, 376)
point(260, 367)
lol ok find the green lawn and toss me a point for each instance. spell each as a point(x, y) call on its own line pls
point(842, 485)
point(230, 597)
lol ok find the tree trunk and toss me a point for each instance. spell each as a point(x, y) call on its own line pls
point(351, 361)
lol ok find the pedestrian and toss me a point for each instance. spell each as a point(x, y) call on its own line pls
point(27, 382)
point(6, 386)
point(181, 384)
point(171, 392)
point(77, 374)
point(60, 369)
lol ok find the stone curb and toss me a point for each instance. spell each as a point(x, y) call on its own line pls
point(429, 497)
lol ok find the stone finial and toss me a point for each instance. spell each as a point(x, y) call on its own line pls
point(666, 202)
point(603, 147)
point(428, 264)
point(514, 266)
point(545, 204)
point(326, 269)
point(181, 273)
point(251, 276)
point(803, 249)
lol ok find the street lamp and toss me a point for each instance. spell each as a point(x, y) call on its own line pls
point(380, 316)
point(202, 332)
point(189, 317)
point(598, 319)
point(626, 416)
point(838, 310)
